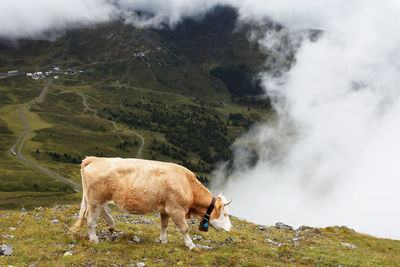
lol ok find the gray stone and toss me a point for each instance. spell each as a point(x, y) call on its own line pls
point(205, 247)
point(58, 208)
point(7, 236)
point(137, 239)
point(68, 253)
point(140, 264)
point(148, 221)
point(12, 228)
point(309, 229)
point(197, 237)
point(282, 226)
point(6, 250)
point(261, 227)
point(55, 221)
point(32, 265)
point(23, 209)
point(193, 221)
point(40, 209)
point(348, 245)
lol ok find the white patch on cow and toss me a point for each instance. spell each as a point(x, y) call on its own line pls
point(222, 222)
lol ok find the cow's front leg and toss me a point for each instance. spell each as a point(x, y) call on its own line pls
point(180, 221)
point(164, 225)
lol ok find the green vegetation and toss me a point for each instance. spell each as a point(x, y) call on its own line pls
point(171, 86)
point(37, 240)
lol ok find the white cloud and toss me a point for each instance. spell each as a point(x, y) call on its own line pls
point(37, 19)
point(342, 97)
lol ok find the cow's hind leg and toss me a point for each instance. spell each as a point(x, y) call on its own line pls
point(104, 214)
point(179, 219)
point(93, 214)
point(164, 225)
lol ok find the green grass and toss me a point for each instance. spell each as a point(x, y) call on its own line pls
point(38, 241)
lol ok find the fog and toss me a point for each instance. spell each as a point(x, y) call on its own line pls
point(331, 155)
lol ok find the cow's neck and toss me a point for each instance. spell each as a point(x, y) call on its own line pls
point(201, 202)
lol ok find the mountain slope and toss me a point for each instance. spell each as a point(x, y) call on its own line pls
point(41, 237)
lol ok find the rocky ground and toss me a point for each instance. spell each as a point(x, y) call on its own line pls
point(41, 237)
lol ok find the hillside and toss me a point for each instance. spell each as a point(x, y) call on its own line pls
point(41, 236)
point(181, 95)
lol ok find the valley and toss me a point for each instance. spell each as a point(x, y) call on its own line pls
point(144, 93)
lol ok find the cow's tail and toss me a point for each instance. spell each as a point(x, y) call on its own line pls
point(83, 211)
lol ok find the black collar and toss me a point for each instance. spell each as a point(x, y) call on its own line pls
point(205, 222)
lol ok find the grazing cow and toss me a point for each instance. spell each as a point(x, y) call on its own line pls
point(141, 186)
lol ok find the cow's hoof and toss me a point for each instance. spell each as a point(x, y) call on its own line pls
point(111, 230)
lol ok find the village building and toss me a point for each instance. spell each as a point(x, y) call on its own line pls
point(13, 73)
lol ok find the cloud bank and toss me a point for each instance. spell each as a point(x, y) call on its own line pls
point(331, 157)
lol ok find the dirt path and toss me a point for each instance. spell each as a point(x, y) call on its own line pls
point(116, 126)
point(24, 135)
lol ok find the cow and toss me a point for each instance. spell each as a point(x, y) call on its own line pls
point(139, 186)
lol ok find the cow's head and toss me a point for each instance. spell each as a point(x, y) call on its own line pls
point(220, 217)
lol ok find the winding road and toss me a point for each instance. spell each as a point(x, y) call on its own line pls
point(116, 126)
point(24, 135)
point(21, 139)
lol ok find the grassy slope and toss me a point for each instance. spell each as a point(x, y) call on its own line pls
point(175, 71)
point(37, 240)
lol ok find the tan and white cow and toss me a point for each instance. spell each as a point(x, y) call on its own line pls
point(141, 186)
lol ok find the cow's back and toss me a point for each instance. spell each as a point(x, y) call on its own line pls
point(137, 186)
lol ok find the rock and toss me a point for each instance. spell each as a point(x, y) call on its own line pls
point(197, 237)
point(261, 227)
point(72, 245)
point(41, 209)
point(204, 247)
point(58, 208)
point(348, 245)
point(36, 216)
point(57, 245)
point(12, 228)
point(140, 264)
point(67, 206)
point(7, 236)
point(23, 209)
point(343, 227)
point(137, 239)
point(55, 221)
point(274, 243)
point(282, 226)
point(148, 221)
point(68, 253)
point(6, 250)
point(309, 229)
point(32, 265)
point(193, 221)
